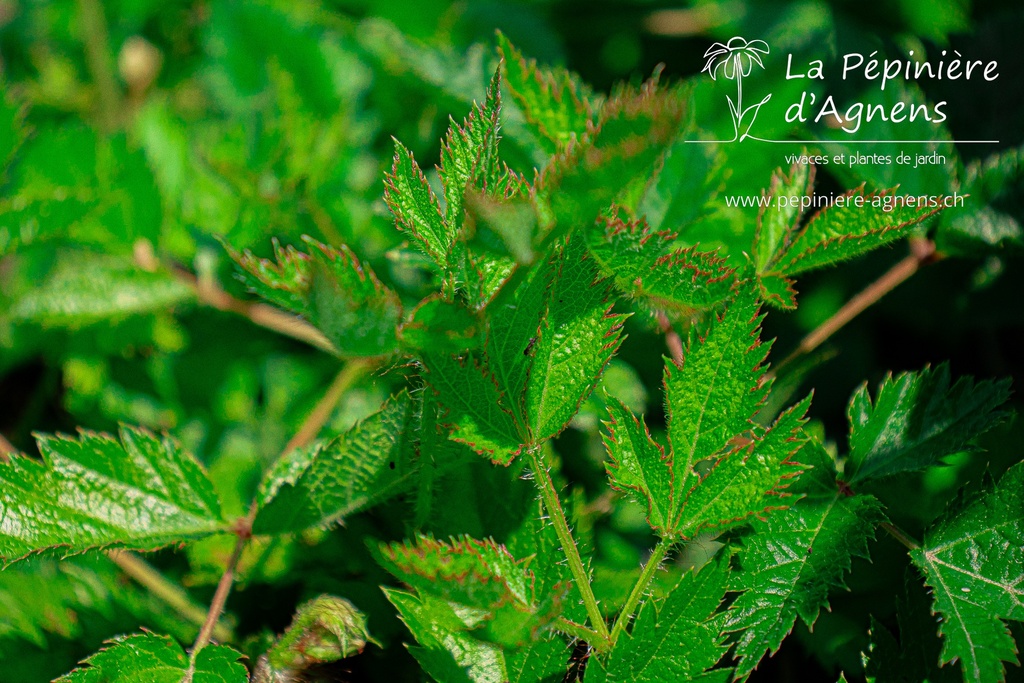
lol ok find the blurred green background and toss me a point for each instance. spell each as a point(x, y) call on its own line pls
point(142, 131)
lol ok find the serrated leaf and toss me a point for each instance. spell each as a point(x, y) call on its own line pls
point(439, 326)
point(620, 152)
point(777, 224)
point(973, 560)
point(557, 105)
point(333, 290)
point(675, 638)
point(446, 652)
point(469, 156)
point(708, 480)
point(490, 590)
point(325, 484)
point(744, 483)
point(577, 335)
point(474, 406)
point(841, 232)
point(416, 208)
point(917, 419)
point(84, 288)
point(793, 558)
point(644, 266)
point(158, 659)
point(140, 492)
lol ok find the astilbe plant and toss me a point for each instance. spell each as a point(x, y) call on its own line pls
point(535, 276)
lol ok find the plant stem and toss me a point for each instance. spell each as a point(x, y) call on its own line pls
point(901, 536)
point(220, 596)
point(96, 41)
point(922, 253)
point(577, 630)
point(166, 591)
point(554, 509)
point(6, 448)
point(343, 381)
point(657, 555)
point(306, 433)
point(672, 339)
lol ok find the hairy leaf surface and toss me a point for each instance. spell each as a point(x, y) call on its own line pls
point(158, 659)
point(141, 492)
point(326, 483)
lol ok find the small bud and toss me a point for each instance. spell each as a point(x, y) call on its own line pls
point(325, 629)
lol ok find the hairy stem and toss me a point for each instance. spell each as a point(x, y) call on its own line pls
point(922, 253)
point(901, 536)
point(96, 41)
point(306, 433)
point(577, 630)
point(579, 573)
point(626, 615)
point(672, 339)
point(168, 592)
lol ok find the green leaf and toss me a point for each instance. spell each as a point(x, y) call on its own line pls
point(475, 407)
point(416, 208)
point(158, 659)
point(446, 652)
point(917, 419)
point(991, 219)
point(576, 337)
point(676, 638)
point(973, 560)
point(619, 155)
point(469, 156)
point(777, 224)
point(846, 230)
point(325, 484)
point(794, 557)
point(557, 105)
point(644, 266)
point(142, 492)
point(84, 288)
point(708, 480)
point(479, 580)
point(333, 290)
point(439, 326)
point(750, 480)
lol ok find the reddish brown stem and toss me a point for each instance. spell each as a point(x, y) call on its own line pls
point(922, 253)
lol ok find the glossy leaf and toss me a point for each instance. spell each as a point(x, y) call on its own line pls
point(140, 492)
point(917, 419)
point(326, 483)
point(793, 558)
point(973, 560)
point(158, 659)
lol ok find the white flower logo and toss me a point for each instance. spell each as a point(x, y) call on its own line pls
point(735, 60)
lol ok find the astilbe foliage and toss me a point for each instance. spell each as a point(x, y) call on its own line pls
point(530, 285)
